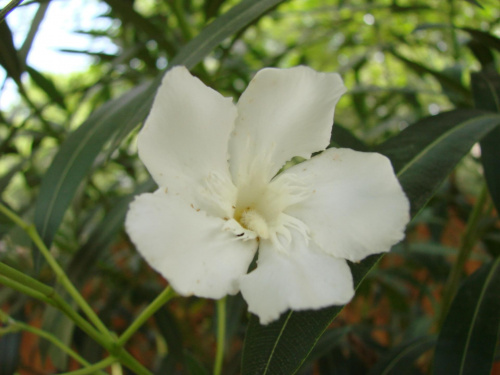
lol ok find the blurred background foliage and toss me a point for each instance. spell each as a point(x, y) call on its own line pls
point(401, 60)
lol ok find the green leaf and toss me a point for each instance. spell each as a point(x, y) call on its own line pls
point(7, 177)
point(476, 3)
point(423, 155)
point(10, 350)
point(77, 153)
point(342, 137)
point(486, 92)
point(47, 86)
point(9, 58)
point(169, 329)
point(128, 15)
point(102, 237)
point(331, 339)
point(467, 341)
point(484, 38)
point(402, 357)
point(451, 86)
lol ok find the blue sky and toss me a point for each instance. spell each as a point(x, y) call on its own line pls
point(56, 32)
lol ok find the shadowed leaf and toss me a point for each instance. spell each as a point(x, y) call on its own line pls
point(486, 91)
point(467, 341)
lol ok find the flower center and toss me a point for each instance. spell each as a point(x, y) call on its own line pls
point(251, 219)
point(260, 205)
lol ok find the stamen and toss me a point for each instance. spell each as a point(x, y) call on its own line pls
point(252, 220)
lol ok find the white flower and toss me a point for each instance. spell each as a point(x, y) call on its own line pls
point(220, 196)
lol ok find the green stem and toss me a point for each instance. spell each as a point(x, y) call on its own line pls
point(221, 335)
point(153, 307)
point(56, 301)
point(61, 275)
point(93, 368)
point(25, 280)
point(25, 289)
point(468, 241)
point(104, 337)
point(8, 8)
point(15, 325)
point(66, 283)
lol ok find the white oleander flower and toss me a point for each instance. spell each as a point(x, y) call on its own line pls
point(221, 198)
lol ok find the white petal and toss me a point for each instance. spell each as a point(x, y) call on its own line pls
point(190, 249)
point(186, 133)
point(356, 207)
point(304, 278)
point(283, 113)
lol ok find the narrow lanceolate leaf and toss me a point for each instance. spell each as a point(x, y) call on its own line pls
point(466, 344)
point(423, 155)
point(426, 152)
point(77, 154)
point(402, 358)
point(9, 58)
point(10, 353)
point(484, 38)
point(80, 149)
point(486, 93)
point(47, 85)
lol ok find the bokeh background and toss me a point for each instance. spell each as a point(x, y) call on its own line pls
point(401, 61)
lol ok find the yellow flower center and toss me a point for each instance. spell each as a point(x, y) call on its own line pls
point(251, 219)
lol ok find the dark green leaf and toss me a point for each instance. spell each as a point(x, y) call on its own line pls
point(341, 137)
point(10, 348)
point(47, 86)
point(170, 331)
point(486, 91)
point(484, 38)
point(127, 14)
point(9, 58)
point(282, 346)
point(77, 154)
point(7, 177)
point(194, 366)
point(328, 341)
point(402, 357)
point(424, 153)
point(475, 2)
point(211, 8)
point(467, 341)
point(102, 237)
